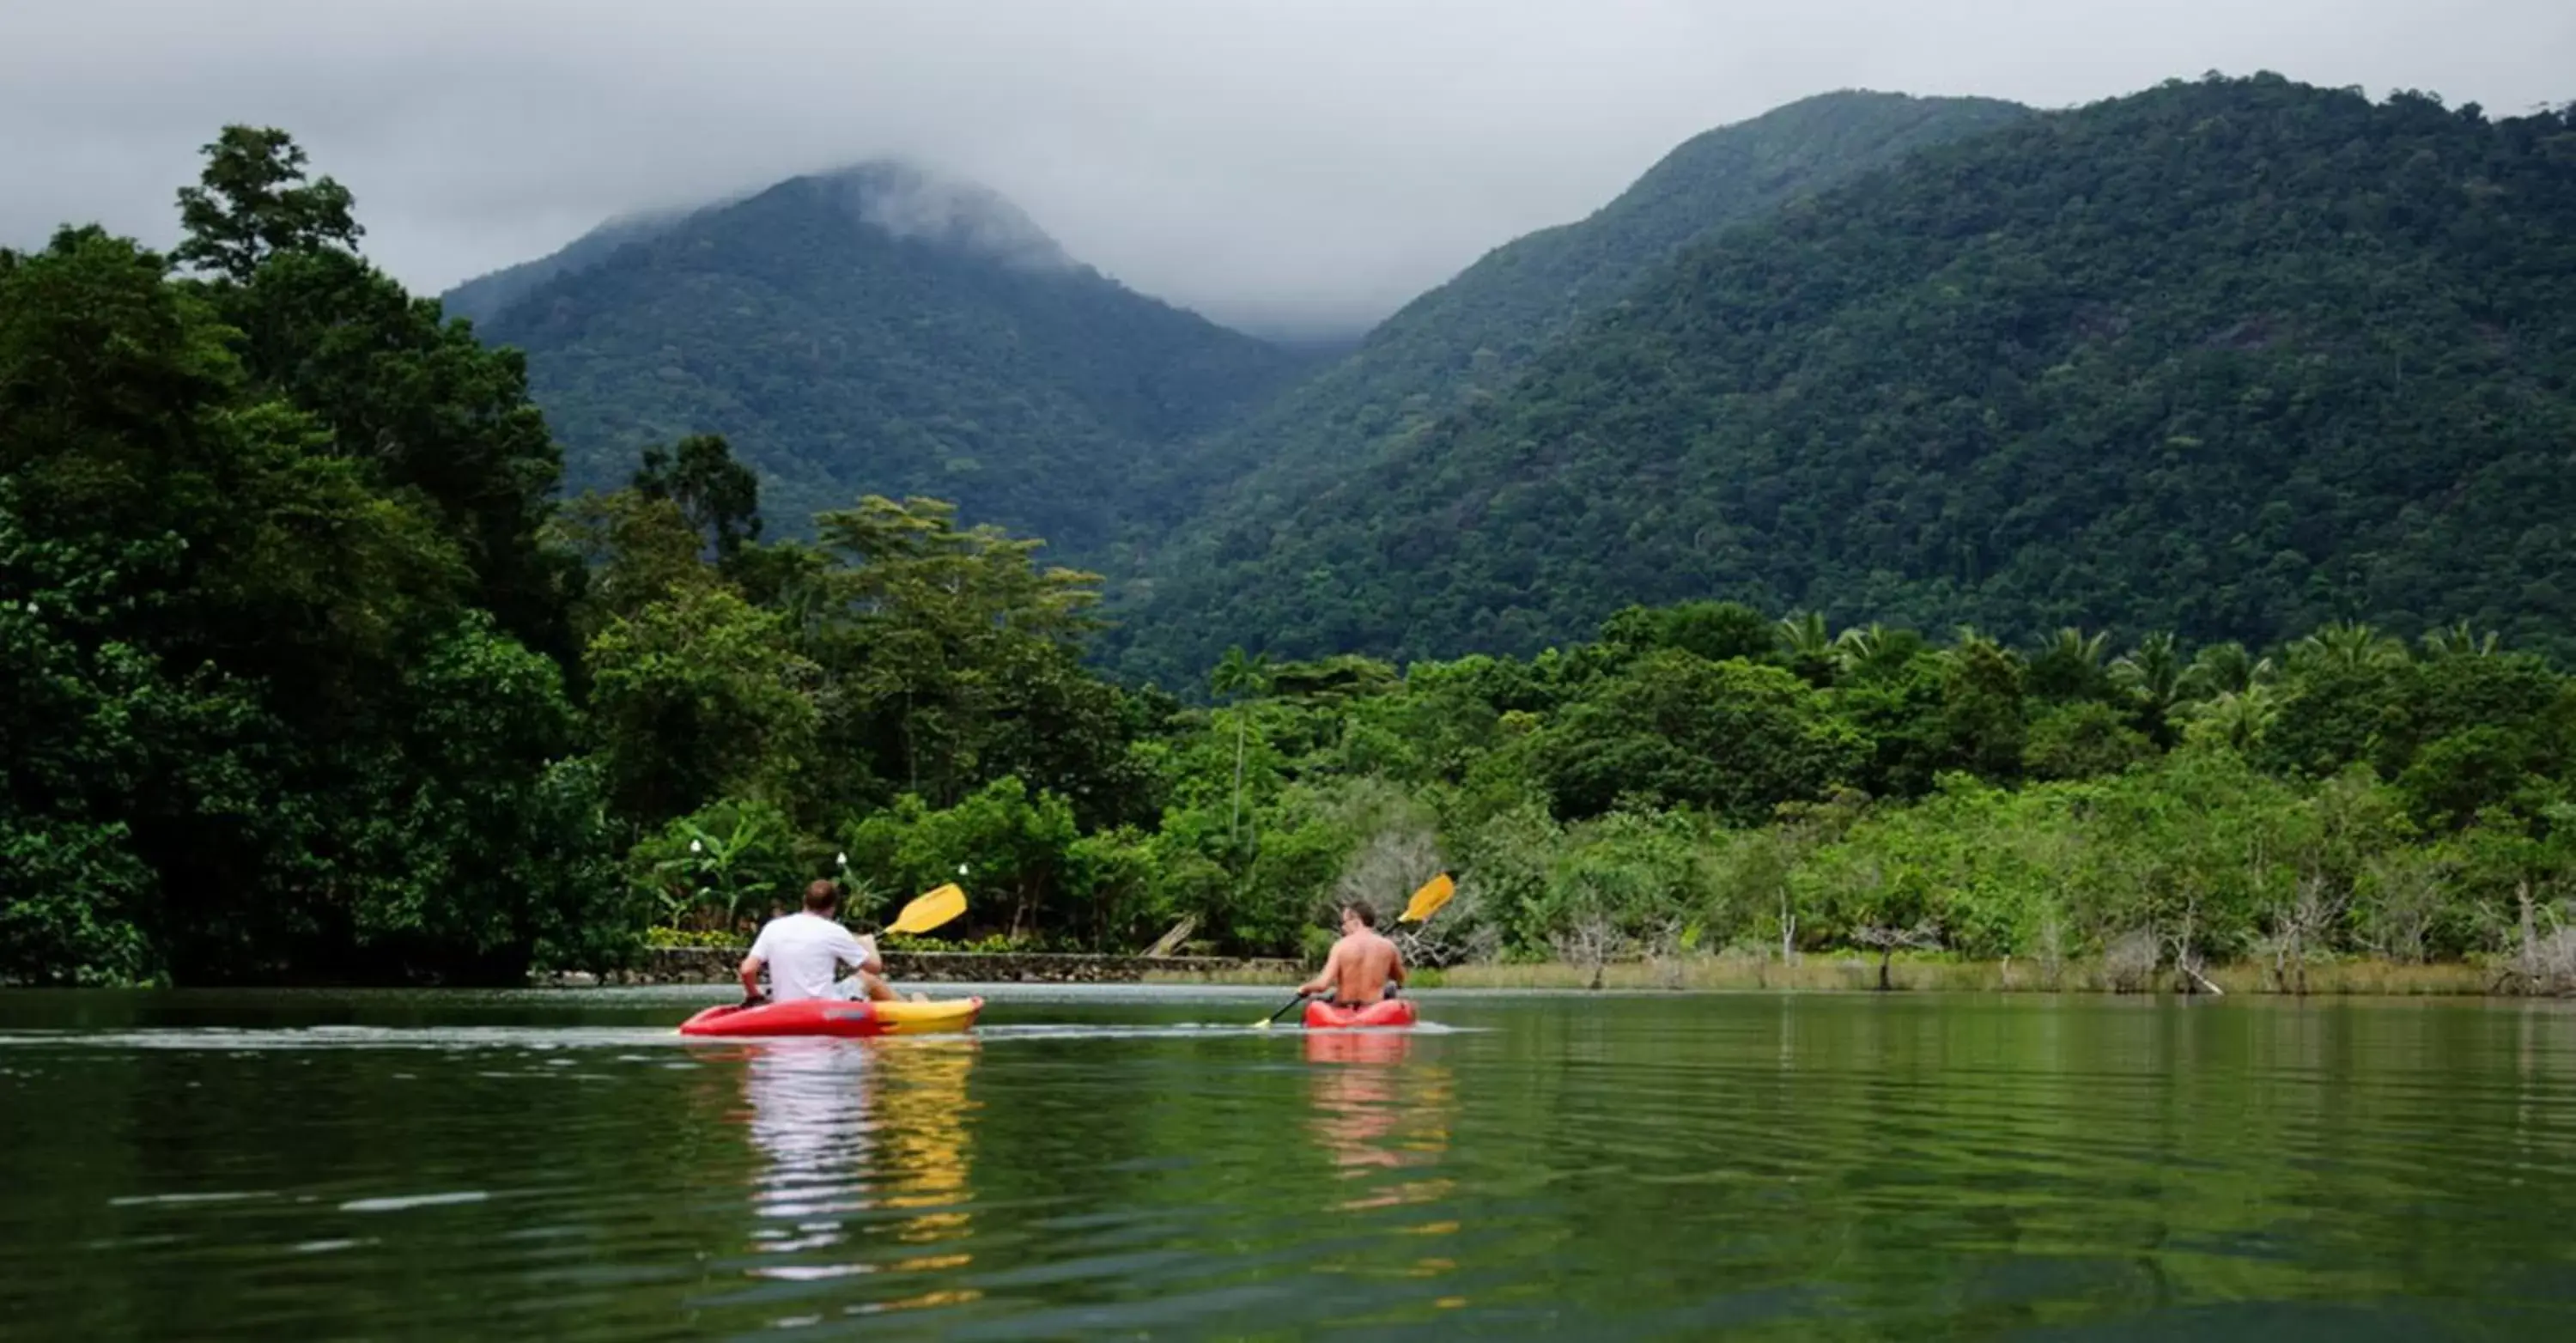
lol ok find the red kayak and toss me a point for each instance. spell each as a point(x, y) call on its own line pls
point(1321, 1016)
point(834, 1016)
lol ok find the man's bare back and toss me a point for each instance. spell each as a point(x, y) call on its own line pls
point(1361, 963)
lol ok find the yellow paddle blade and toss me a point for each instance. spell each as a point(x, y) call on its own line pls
point(1427, 901)
point(930, 911)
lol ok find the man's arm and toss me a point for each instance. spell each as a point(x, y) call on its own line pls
point(1330, 973)
point(751, 966)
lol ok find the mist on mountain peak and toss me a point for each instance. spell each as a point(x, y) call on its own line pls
point(911, 201)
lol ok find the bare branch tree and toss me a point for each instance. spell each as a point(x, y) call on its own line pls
point(2052, 952)
point(2298, 930)
point(1887, 941)
point(1389, 865)
point(2402, 894)
point(2130, 960)
point(1590, 938)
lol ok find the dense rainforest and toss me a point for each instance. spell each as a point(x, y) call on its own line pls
point(282, 648)
point(308, 673)
point(2235, 358)
point(1466, 340)
point(881, 330)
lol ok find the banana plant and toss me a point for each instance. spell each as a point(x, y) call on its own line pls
point(715, 875)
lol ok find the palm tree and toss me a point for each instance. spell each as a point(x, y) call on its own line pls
point(2078, 647)
point(1878, 650)
point(1238, 678)
point(2153, 674)
point(2458, 641)
point(2350, 645)
point(1857, 648)
point(2236, 719)
point(1969, 644)
point(2225, 669)
point(1810, 645)
point(2069, 665)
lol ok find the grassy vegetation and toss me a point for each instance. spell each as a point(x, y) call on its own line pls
point(1860, 974)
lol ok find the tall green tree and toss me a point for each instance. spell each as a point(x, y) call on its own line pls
point(254, 725)
point(1239, 678)
point(1982, 718)
point(426, 410)
point(256, 201)
point(948, 648)
point(719, 496)
point(1677, 729)
point(698, 696)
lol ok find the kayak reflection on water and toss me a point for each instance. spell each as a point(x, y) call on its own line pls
point(1379, 1114)
point(868, 1146)
point(1376, 1111)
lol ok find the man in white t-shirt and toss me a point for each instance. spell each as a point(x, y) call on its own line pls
point(804, 953)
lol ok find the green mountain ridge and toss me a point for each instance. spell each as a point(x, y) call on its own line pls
point(878, 330)
point(1468, 339)
point(2234, 357)
point(484, 297)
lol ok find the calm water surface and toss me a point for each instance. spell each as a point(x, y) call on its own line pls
point(1137, 1163)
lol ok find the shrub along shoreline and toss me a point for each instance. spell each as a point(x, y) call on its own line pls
point(1849, 973)
point(1860, 974)
point(717, 965)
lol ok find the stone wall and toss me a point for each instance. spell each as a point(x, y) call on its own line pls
point(705, 965)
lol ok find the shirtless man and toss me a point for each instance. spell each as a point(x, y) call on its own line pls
point(804, 951)
point(1361, 963)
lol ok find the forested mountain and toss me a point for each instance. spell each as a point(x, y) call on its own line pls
point(2233, 357)
point(305, 675)
point(1464, 341)
point(481, 299)
point(875, 330)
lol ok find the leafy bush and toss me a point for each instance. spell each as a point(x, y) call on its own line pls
point(72, 917)
point(724, 869)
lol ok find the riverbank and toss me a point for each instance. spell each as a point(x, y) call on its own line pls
point(717, 965)
point(1860, 974)
point(1814, 973)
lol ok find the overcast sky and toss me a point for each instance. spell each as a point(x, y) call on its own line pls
point(1270, 163)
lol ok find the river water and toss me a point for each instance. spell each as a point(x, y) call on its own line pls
point(1139, 1163)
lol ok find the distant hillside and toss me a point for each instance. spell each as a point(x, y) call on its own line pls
point(1467, 339)
point(2234, 357)
point(876, 330)
point(481, 299)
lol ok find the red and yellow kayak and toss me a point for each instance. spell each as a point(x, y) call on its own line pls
point(1321, 1016)
point(834, 1016)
